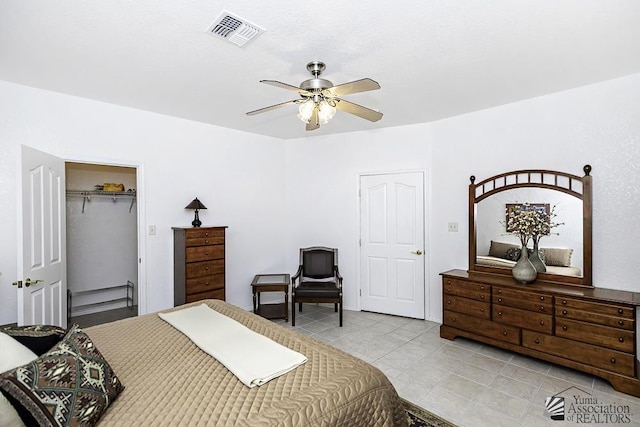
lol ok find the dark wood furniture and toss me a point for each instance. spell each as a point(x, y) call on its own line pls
point(271, 283)
point(593, 330)
point(319, 280)
point(199, 264)
point(560, 319)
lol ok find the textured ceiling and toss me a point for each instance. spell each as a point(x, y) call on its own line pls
point(433, 58)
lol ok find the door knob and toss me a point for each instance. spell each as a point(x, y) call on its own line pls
point(28, 282)
point(17, 283)
point(418, 252)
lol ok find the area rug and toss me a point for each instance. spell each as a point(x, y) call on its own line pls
point(420, 417)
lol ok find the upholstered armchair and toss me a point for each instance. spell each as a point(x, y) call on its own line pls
point(318, 280)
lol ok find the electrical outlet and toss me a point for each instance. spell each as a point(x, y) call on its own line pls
point(453, 227)
point(152, 230)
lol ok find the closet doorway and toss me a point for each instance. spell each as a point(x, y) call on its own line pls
point(102, 242)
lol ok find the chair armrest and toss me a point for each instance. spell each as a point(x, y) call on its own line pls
point(335, 268)
point(295, 276)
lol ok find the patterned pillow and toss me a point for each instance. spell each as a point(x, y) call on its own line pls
point(557, 256)
point(72, 384)
point(513, 254)
point(37, 338)
point(499, 249)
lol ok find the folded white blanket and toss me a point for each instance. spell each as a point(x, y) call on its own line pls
point(253, 358)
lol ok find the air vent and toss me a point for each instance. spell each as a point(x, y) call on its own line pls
point(234, 29)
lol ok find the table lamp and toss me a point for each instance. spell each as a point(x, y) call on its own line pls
point(196, 205)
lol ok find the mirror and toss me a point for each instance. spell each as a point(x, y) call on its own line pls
point(566, 249)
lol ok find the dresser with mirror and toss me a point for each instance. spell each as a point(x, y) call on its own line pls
point(561, 316)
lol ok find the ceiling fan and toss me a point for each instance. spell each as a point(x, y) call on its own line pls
point(319, 98)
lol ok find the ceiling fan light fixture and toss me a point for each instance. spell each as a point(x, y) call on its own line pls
point(305, 110)
point(326, 112)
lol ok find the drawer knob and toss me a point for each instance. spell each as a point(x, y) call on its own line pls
point(481, 296)
point(621, 339)
point(482, 310)
point(620, 322)
point(564, 312)
point(206, 268)
point(613, 360)
point(206, 233)
point(564, 302)
point(206, 283)
point(542, 322)
point(453, 320)
point(620, 311)
point(448, 301)
point(564, 328)
point(499, 313)
point(206, 252)
point(499, 291)
point(448, 282)
point(206, 241)
point(537, 341)
point(449, 290)
point(541, 298)
point(482, 288)
point(504, 333)
point(542, 308)
point(499, 299)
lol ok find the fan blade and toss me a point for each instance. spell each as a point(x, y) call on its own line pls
point(314, 123)
point(356, 86)
point(358, 110)
point(273, 107)
point(287, 86)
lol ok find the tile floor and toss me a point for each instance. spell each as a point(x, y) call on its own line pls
point(468, 383)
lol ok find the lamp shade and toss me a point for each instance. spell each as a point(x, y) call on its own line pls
point(195, 204)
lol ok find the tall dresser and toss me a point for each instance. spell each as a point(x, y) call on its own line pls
point(199, 263)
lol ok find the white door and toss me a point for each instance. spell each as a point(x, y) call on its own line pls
point(392, 244)
point(42, 290)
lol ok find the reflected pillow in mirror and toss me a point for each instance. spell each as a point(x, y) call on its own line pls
point(560, 257)
point(499, 249)
point(513, 254)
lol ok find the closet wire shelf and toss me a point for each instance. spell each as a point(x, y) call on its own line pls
point(128, 298)
point(115, 195)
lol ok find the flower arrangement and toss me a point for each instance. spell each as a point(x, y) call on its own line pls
point(527, 221)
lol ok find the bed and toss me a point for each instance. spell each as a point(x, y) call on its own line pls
point(170, 381)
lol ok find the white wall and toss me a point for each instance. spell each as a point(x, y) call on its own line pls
point(597, 124)
point(238, 176)
point(273, 211)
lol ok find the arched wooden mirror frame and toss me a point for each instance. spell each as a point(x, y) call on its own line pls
point(573, 185)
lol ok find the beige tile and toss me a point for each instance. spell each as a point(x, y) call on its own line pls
point(525, 375)
point(461, 386)
point(496, 353)
point(486, 362)
point(500, 401)
point(474, 373)
point(445, 404)
point(482, 416)
point(455, 352)
point(530, 363)
point(514, 387)
point(572, 376)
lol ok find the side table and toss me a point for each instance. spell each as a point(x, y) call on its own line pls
point(271, 283)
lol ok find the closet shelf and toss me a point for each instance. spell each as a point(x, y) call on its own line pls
point(87, 194)
point(128, 298)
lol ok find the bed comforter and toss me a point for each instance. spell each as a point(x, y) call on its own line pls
point(169, 381)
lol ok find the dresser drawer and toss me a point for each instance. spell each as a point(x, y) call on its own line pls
point(591, 317)
point(467, 306)
point(608, 309)
point(205, 283)
point(216, 294)
point(204, 253)
point(604, 336)
point(523, 318)
point(205, 268)
point(482, 326)
point(530, 304)
point(610, 360)
point(471, 290)
point(201, 233)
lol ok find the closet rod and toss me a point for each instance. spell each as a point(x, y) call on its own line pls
point(86, 195)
